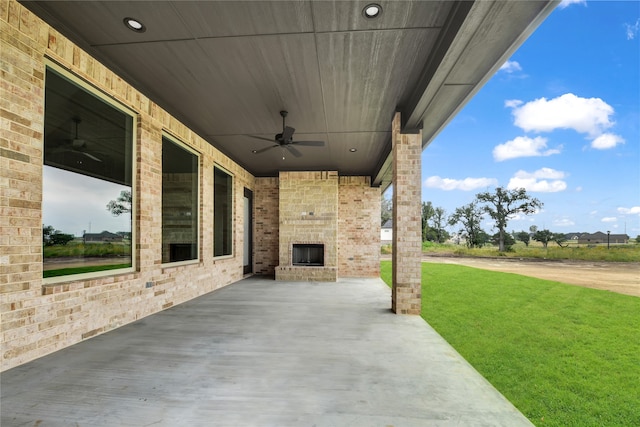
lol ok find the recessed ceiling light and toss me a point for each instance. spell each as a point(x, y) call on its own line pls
point(371, 11)
point(353, 150)
point(254, 151)
point(134, 25)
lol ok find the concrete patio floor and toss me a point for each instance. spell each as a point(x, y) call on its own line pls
point(261, 353)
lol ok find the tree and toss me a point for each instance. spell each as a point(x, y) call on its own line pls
point(438, 220)
point(61, 238)
point(121, 205)
point(470, 217)
point(427, 213)
point(524, 237)
point(543, 236)
point(504, 203)
point(433, 223)
point(509, 241)
point(559, 238)
point(47, 231)
point(386, 210)
point(482, 238)
point(51, 236)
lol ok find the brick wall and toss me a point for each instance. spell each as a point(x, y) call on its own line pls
point(308, 214)
point(38, 318)
point(407, 221)
point(358, 227)
point(265, 231)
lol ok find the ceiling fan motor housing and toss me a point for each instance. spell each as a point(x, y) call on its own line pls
point(285, 139)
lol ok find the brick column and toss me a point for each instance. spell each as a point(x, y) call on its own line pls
point(407, 224)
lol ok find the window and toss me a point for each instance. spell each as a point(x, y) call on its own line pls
point(87, 180)
point(179, 202)
point(222, 213)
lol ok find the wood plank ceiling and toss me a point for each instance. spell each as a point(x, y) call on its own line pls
point(226, 68)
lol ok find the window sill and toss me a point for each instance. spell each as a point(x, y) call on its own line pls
point(57, 285)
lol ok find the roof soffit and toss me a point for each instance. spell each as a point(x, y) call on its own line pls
point(225, 68)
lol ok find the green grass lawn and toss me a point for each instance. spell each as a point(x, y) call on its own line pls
point(75, 249)
point(79, 270)
point(563, 355)
point(616, 253)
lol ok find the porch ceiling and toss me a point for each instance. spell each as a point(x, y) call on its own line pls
point(226, 68)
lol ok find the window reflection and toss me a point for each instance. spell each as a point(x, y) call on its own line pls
point(222, 213)
point(88, 150)
point(179, 203)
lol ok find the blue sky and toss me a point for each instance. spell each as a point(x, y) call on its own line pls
point(561, 118)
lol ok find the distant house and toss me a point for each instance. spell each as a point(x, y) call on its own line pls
point(599, 238)
point(103, 237)
point(386, 232)
point(573, 236)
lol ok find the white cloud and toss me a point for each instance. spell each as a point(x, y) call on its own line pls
point(467, 184)
point(630, 211)
point(544, 173)
point(523, 146)
point(545, 180)
point(632, 29)
point(510, 67)
point(609, 219)
point(522, 217)
point(584, 115)
point(513, 103)
point(567, 3)
point(606, 141)
point(564, 222)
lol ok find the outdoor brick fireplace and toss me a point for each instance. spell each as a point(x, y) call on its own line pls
point(308, 255)
point(308, 226)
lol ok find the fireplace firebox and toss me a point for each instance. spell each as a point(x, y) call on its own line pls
point(308, 254)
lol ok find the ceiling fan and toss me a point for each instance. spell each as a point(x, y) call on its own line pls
point(285, 140)
point(77, 144)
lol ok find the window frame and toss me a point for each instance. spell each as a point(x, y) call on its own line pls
point(175, 140)
point(232, 213)
point(65, 73)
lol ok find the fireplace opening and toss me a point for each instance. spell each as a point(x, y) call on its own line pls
point(308, 254)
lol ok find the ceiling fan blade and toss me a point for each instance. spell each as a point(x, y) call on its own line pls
point(287, 133)
point(91, 156)
point(293, 151)
point(262, 150)
point(261, 137)
point(309, 143)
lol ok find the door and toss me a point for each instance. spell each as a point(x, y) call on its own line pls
point(248, 234)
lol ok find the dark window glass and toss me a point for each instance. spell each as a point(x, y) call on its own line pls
point(179, 203)
point(87, 180)
point(222, 213)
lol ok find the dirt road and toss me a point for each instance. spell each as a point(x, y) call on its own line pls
point(620, 277)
